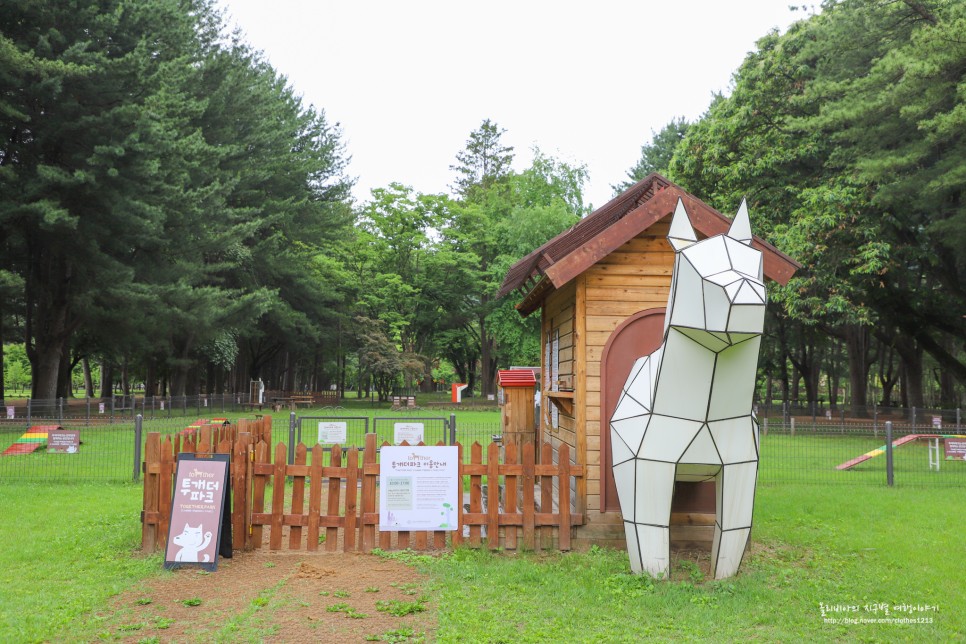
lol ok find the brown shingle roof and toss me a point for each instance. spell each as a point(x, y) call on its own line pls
point(600, 233)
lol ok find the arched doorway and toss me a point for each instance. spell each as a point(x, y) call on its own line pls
point(637, 336)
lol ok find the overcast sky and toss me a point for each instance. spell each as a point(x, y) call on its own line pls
point(586, 82)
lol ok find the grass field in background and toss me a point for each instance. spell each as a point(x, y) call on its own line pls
point(65, 550)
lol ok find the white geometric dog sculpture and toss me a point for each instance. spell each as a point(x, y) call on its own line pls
point(685, 413)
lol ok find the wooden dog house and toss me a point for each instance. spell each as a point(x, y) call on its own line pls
point(602, 287)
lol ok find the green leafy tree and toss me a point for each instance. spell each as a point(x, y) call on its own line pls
point(656, 156)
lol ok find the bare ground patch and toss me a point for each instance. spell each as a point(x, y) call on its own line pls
point(279, 597)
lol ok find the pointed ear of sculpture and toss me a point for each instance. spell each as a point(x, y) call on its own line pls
point(681, 234)
point(741, 226)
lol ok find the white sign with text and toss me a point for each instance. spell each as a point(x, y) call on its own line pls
point(333, 432)
point(412, 433)
point(418, 488)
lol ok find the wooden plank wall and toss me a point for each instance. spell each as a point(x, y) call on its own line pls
point(558, 315)
point(635, 277)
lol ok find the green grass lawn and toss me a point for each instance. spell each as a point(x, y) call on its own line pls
point(65, 550)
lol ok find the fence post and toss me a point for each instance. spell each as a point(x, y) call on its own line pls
point(138, 425)
point(291, 437)
point(793, 425)
point(60, 409)
point(889, 472)
point(29, 401)
point(958, 418)
point(875, 418)
point(452, 429)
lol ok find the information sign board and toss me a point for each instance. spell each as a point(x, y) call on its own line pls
point(412, 433)
point(63, 441)
point(955, 449)
point(418, 488)
point(197, 510)
point(332, 432)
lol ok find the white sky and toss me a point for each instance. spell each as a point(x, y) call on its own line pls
point(586, 82)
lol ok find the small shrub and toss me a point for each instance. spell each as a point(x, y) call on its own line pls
point(162, 623)
point(400, 609)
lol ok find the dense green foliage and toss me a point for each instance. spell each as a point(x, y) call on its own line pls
point(847, 136)
point(172, 214)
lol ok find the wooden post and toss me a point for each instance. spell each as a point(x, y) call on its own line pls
point(262, 451)
point(510, 506)
point(493, 496)
point(351, 495)
point(368, 493)
point(546, 495)
point(278, 497)
point(563, 469)
point(315, 497)
point(529, 540)
point(164, 491)
point(457, 536)
point(476, 493)
point(335, 485)
point(298, 498)
point(152, 484)
point(580, 368)
point(240, 483)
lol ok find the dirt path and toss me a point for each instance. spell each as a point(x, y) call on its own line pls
point(279, 597)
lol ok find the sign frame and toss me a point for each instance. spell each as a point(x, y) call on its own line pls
point(954, 448)
point(427, 488)
point(63, 441)
point(185, 510)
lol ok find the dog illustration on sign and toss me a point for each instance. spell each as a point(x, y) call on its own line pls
point(685, 411)
point(192, 541)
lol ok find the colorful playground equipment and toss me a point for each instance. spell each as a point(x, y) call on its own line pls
point(33, 439)
point(899, 442)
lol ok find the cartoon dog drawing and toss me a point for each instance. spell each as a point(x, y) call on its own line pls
point(192, 542)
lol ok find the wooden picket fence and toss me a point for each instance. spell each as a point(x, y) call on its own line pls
point(512, 502)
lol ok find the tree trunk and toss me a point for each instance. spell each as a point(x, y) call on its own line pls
point(910, 355)
point(88, 379)
point(125, 382)
point(65, 387)
point(486, 359)
point(107, 378)
point(46, 371)
point(857, 341)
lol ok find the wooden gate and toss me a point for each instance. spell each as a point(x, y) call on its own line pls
point(328, 499)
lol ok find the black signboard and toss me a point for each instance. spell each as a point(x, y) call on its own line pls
point(199, 512)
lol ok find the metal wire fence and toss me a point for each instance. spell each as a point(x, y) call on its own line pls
point(793, 449)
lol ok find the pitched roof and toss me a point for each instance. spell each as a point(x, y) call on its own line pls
point(516, 378)
point(622, 218)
